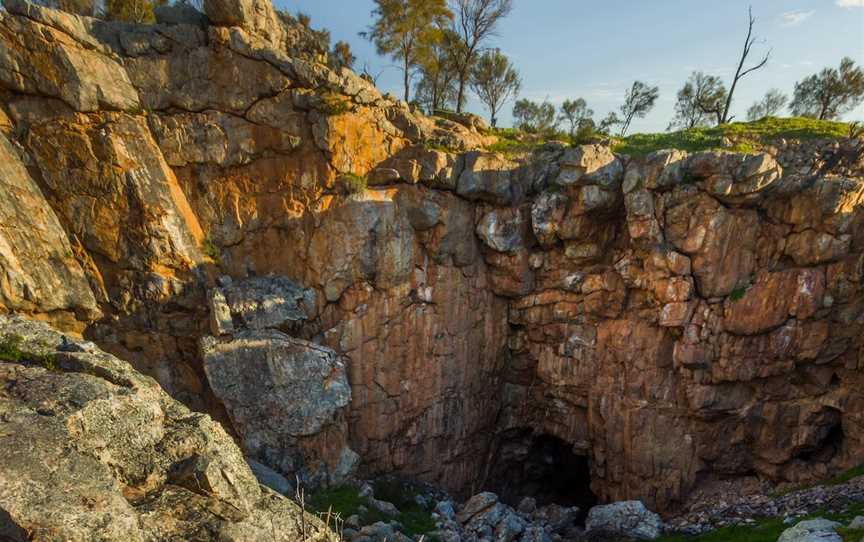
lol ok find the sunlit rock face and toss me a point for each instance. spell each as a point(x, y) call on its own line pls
point(669, 318)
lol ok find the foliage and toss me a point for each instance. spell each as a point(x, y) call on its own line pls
point(131, 11)
point(846, 476)
point(535, 118)
point(748, 134)
point(830, 93)
point(609, 121)
point(210, 249)
point(436, 88)
point(345, 501)
point(513, 142)
point(495, 81)
point(475, 22)
point(701, 98)
point(304, 19)
point(333, 104)
point(341, 56)
point(12, 349)
point(638, 102)
point(769, 106)
point(353, 184)
point(405, 30)
point(738, 293)
point(577, 114)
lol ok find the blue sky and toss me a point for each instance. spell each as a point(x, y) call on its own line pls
point(595, 49)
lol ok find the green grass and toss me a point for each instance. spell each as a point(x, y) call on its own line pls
point(748, 136)
point(11, 349)
point(353, 184)
point(345, 501)
point(513, 142)
point(211, 250)
point(333, 104)
point(738, 293)
point(769, 529)
point(846, 476)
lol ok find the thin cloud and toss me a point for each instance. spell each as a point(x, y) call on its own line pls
point(850, 3)
point(794, 18)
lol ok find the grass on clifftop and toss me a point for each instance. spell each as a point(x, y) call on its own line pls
point(747, 136)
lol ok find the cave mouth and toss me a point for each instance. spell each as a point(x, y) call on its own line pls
point(543, 467)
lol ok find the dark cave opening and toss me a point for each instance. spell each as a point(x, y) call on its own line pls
point(828, 446)
point(543, 467)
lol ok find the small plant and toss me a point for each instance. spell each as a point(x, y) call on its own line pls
point(11, 349)
point(856, 129)
point(738, 293)
point(333, 104)
point(210, 249)
point(353, 184)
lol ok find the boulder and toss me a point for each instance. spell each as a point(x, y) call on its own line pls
point(93, 450)
point(814, 530)
point(626, 518)
point(260, 303)
point(590, 164)
point(488, 177)
point(278, 390)
point(502, 229)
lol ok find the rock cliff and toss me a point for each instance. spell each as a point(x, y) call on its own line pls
point(285, 248)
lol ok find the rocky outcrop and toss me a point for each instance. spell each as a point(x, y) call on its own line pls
point(94, 450)
point(629, 519)
point(285, 396)
point(666, 320)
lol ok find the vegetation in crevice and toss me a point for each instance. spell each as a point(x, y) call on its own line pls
point(13, 349)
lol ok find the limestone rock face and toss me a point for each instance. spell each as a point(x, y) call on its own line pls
point(670, 318)
point(94, 450)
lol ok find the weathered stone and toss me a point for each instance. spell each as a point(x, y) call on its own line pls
point(590, 164)
point(502, 229)
point(92, 430)
point(547, 213)
point(814, 530)
point(264, 376)
point(629, 518)
point(38, 272)
point(488, 177)
point(261, 303)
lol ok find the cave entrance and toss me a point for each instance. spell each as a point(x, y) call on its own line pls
point(544, 467)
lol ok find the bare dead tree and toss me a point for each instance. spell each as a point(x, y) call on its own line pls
point(741, 71)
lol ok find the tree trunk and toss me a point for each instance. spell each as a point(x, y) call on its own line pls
point(463, 76)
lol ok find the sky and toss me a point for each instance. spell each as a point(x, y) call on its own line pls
point(595, 49)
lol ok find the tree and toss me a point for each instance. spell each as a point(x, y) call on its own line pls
point(436, 88)
point(131, 11)
point(475, 22)
point(341, 56)
point(495, 81)
point(405, 29)
point(770, 105)
point(830, 93)
point(532, 117)
point(610, 121)
point(576, 114)
point(740, 72)
point(640, 99)
point(701, 97)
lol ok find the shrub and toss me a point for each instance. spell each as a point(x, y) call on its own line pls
point(353, 184)
point(333, 104)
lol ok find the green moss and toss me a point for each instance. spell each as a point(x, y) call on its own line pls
point(748, 136)
point(353, 184)
point(738, 293)
point(345, 501)
point(846, 476)
point(769, 529)
point(12, 349)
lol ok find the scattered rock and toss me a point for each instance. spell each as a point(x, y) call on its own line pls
point(626, 518)
point(814, 530)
